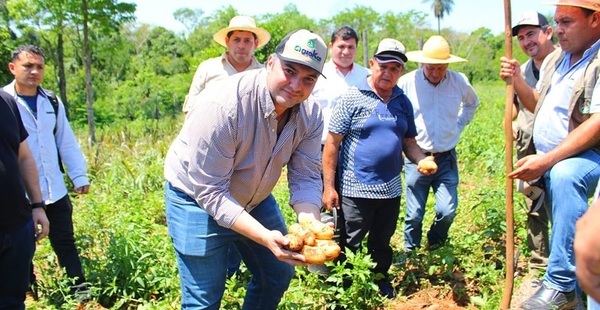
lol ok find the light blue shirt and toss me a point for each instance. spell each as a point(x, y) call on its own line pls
point(551, 125)
point(441, 111)
point(44, 145)
point(328, 90)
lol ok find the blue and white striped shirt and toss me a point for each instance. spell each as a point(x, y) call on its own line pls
point(374, 133)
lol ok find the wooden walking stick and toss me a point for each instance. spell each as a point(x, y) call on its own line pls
point(510, 249)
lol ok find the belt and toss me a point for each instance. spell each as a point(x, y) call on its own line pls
point(437, 154)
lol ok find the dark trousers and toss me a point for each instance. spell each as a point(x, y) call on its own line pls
point(16, 252)
point(62, 239)
point(378, 218)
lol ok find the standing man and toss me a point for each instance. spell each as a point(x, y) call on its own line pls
point(241, 39)
point(341, 72)
point(373, 122)
point(52, 143)
point(565, 146)
point(444, 103)
point(535, 39)
point(22, 223)
point(225, 162)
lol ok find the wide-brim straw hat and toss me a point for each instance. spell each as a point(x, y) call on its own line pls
point(243, 23)
point(435, 51)
point(593, 5)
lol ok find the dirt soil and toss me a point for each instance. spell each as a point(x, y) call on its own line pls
point(429, 299)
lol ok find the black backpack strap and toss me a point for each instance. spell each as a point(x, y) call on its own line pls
point(54, 102)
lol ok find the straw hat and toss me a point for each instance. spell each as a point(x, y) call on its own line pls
point(435, 51)
point(243, 23)
point(593, 5)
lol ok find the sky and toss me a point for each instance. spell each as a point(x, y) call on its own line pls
point(466, 15)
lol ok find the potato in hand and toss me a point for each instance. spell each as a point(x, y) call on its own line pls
point(314, 255)
point(427, 165)
point(331, 249)
point(321, 230)
point(312, 239)
point(306, 235)
point(295, 243)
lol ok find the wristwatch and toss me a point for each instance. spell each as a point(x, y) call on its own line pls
point(36, 205)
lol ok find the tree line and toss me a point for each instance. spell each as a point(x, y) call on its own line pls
point(108, 69)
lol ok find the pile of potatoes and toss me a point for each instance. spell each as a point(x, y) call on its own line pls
point(313, 239)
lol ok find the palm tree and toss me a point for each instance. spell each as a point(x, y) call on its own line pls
point(440, 7)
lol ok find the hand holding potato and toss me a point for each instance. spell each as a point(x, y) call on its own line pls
point(312, 239)
point(427, 166)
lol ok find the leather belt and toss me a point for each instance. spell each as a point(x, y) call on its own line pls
point(437, 154)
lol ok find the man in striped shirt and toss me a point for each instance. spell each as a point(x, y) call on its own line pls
point(224, 164)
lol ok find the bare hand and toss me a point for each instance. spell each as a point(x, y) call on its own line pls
point(587, 251)
point(82, 189)
point(277, 245)
point(330, 199)
point(530, 168)
point(41, 225)
point(509, 68)
point(427, 166)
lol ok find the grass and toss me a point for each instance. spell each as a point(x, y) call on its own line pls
point(121, 231)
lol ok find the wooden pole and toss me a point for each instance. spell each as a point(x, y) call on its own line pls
point(510, 248)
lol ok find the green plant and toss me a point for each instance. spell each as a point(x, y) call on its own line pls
point(129, 261)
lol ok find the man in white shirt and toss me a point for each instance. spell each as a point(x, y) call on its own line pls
point(341, 72)
point(52, 143)
point(444, 102)
point(241, 38)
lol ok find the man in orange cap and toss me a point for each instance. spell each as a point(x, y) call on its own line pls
point(241, 38)
point(565, 147)
point(444, 102)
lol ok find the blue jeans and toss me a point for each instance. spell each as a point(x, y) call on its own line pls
point(16, 252)
point(445, 188)
point(62, 239)
point(569, 183)
point(202, 247)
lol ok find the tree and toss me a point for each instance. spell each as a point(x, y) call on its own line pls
point(440, 7)
point(84, 18)
point(6, 38)
point(281, 24)
point(189, 18)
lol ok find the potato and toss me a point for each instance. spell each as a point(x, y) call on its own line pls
point(314, 255)
point(307, 236)
point(428, 165)
point(330, 248)
point(310, 239)
point(295, 243)
point(321, 230)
